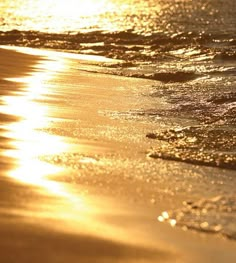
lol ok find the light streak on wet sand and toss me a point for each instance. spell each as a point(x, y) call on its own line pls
point(28, 143)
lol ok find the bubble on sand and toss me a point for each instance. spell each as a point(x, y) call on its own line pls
point(216, 215)
point(74, 160)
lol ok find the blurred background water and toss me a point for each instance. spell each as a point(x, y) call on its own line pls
point(147, 31)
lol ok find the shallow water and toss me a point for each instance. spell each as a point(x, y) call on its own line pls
point(188, 48)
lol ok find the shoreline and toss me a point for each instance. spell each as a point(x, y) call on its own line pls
point(80, 173)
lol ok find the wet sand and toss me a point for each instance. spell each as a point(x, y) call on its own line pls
point(76, 183)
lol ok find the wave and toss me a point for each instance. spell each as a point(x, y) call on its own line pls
point(200, 145)
point(130, 46)
point(226, 56)
point(168, 77)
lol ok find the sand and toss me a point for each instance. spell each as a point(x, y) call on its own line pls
point(76, 182)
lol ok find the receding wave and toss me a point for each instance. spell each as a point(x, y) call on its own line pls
point(202, 145)
point(168, 77)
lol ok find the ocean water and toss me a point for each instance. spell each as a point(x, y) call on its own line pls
point(187, 47)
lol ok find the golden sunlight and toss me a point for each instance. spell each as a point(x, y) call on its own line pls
point(80, 8)
point(29, 142)
point(62, 15)
point(65, 8)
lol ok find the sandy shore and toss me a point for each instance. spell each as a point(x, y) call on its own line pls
point(76, 184)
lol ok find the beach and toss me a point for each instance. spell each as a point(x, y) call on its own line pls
point(77, 183)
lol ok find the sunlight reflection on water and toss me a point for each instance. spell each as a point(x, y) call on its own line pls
point(51, 15)
point(29, 143)
point(73, 16)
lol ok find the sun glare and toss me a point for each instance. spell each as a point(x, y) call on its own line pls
point(80, 8)
point(29, 142)
point(61, 15)
point(64, 203)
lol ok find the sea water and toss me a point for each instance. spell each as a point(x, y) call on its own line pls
point(187, 47)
